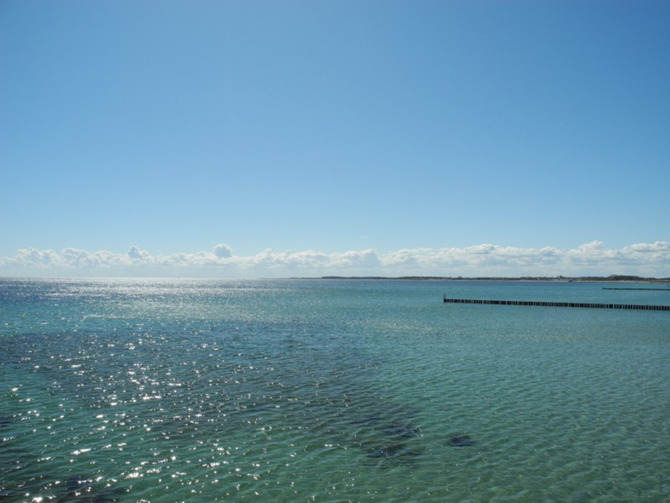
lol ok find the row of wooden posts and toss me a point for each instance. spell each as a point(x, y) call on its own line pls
point(557, 304)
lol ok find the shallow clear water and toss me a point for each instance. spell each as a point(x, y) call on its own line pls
point(330, 390)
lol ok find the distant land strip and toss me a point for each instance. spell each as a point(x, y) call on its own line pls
point(643, 289)
point(612, 278)
point(556, 304)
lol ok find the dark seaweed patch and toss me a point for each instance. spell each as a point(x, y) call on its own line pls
point(391, 436)
point(461, 441)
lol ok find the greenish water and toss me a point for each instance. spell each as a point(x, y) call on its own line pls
point(310, 390)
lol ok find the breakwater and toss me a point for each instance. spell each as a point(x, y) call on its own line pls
point(557, 304)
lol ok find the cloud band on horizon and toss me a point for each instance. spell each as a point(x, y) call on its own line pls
point(643, 259)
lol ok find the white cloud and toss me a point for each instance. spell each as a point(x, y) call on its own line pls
point(643, 259)
point(136, 254)
point(223, 251)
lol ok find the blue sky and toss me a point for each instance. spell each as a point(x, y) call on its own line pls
point(311, 137)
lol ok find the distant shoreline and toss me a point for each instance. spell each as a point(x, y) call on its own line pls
point(559, 279)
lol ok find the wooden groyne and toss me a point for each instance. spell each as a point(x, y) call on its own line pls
point(557, 304)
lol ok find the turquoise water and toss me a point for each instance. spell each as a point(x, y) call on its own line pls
point(330, 390)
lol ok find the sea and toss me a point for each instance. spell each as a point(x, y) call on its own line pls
point(331, 390)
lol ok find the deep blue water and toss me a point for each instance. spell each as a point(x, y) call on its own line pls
point(330, 390)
